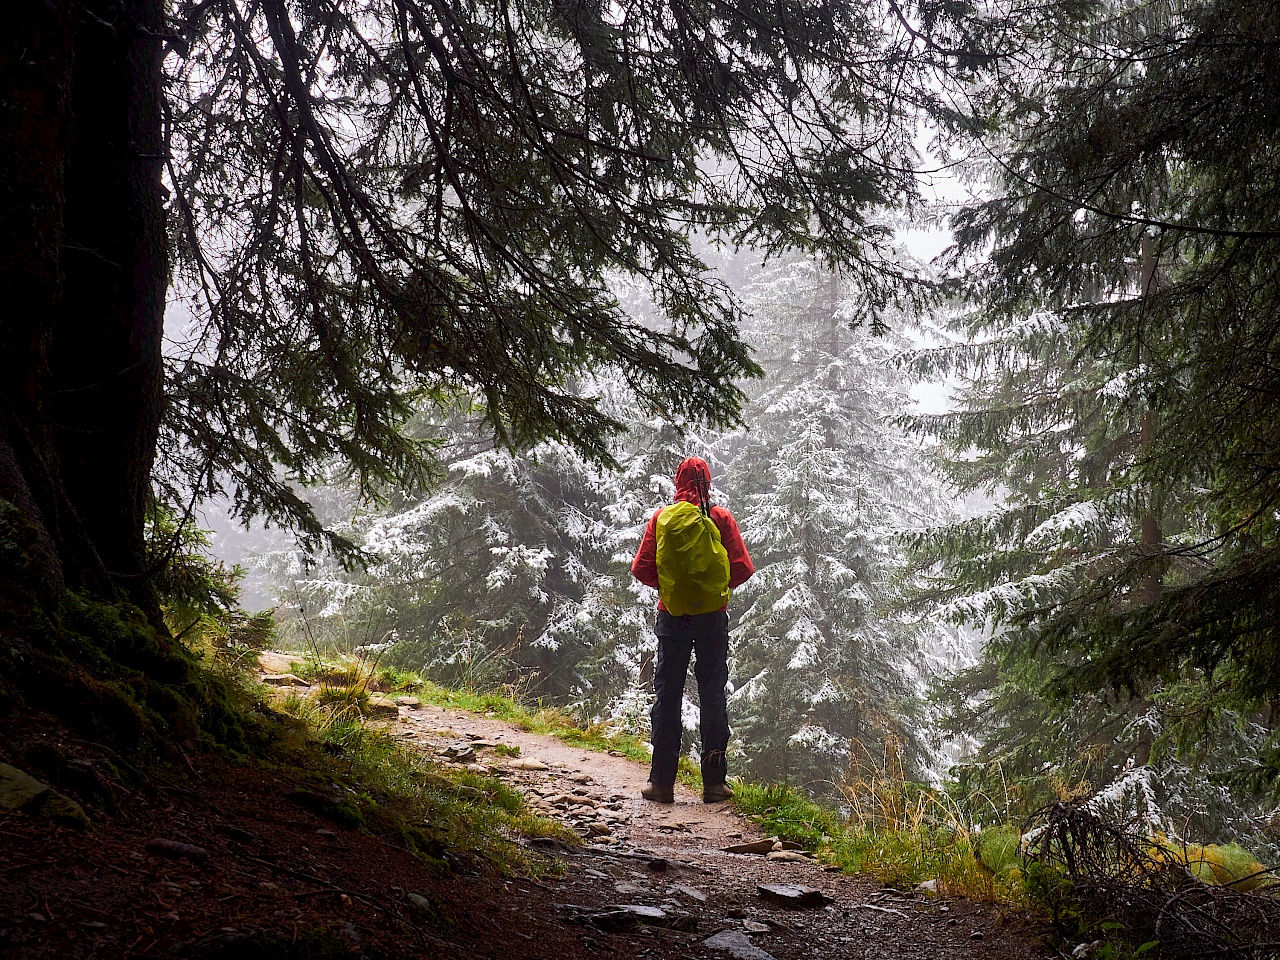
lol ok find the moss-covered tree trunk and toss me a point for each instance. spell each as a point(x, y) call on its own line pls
point(83, 270)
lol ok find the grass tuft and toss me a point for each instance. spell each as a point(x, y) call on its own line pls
point(902, 854)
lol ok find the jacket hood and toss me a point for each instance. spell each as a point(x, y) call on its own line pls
point(690, 471)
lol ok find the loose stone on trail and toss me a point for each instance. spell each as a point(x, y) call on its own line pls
point(382, 707)
point(792, 894)
point(737, 945)
point(283, 680)
point(627, 915)
point(459, 752)
point(756, 846)
point(765, 847)
point(526, 763)
point(692, 892)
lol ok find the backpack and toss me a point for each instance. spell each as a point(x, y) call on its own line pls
point(693, 566)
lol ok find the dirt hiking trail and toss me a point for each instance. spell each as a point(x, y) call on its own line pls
point(655, 881)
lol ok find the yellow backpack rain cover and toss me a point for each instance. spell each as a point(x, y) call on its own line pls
point(693, 566)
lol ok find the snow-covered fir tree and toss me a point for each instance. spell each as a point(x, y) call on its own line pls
point(1049, 435)
point(828, 671)
point(1048, 424)
point(500, 562)
point(1122, 253)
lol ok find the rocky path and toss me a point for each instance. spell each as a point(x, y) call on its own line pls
point(595, 794)
point(656, 881)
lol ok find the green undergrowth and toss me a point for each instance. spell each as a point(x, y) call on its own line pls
point(982, 865)
point(99, 665)
point(360, 777)
point(107, 671)
point(905, 834)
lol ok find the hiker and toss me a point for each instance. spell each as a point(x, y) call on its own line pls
point(693, 557)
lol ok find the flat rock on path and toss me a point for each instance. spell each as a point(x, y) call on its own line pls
point(737, 944)
point(792, 894)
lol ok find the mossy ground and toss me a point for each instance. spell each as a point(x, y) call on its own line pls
point(103, 671)
point(101, 667)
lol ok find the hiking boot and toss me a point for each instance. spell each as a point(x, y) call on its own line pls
point(658, 794)
point(716, 792)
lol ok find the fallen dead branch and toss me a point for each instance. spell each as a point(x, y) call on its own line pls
point(1119, 873)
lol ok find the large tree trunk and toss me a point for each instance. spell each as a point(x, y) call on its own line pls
point(83, 260)
point(35, 92)
point(106, 357)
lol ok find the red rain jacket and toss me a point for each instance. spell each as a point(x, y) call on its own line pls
point(645, 566)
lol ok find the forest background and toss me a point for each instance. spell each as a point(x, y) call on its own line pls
point(1053, 583)
point(455, 286)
